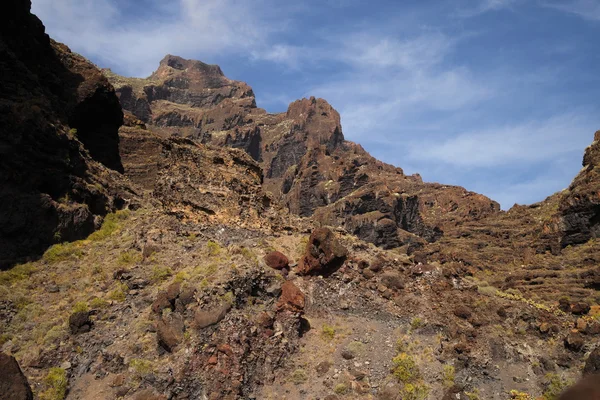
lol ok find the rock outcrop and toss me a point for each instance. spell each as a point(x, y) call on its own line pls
point(13, 384)
point(308, 165)
point(59, 119)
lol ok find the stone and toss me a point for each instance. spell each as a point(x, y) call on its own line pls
point(580, 308)
point(13, 383)
point(588, 388)
point(392, 280)
point(291, 299)
point(206, 318)
point(324, 253)
point(169, 331)
point(574, 341)
point(80, 322)
point(323, 367)
point(592, 364)
point(276, 260)
point(161, 303)
point(347, 354)
point(462, 311)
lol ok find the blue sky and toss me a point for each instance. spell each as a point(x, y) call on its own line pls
point(498, 96)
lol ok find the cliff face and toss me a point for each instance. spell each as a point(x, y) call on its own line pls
point(308, 165)
point(59, 119)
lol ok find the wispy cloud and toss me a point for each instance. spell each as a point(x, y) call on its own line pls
point(587, 9)
point(478, 7)
point(520, 144)
point(186, 27)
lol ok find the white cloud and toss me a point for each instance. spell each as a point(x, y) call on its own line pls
point(101, 30)
point(587, 9)
point(521, 144)
point(483, 6)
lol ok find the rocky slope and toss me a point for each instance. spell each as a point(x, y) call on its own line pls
point(59, 141)
point(204, 286)
point(308, 165)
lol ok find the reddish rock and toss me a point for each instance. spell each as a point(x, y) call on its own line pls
point(13, 384)
point(213, 360)
point(225, 349)
point(161, 302)
point(580, 308)
point(276, 260)
point(291, 299)
point(324, 253)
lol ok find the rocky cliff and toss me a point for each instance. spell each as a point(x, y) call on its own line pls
point(59, 140)
point(307, 163)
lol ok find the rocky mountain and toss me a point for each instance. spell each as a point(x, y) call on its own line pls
point(196, 247)
point(308, 165)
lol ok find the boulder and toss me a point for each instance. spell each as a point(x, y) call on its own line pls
point(13, 383)
point(592, 365)
point(80, 322)
point(276, 260)
point(463, 312)
point(291, 299)
point(324, 253)
point(206, 318)
point(586, 389)
point(574, 341)
point(169, 331)
point(580, 308)
point(392, 280)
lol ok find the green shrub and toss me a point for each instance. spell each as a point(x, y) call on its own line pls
point(405, 369)
point(449, 375)
point(299, 376)
point(416, 323)
point(56, 381)
point(555, 386)
point(98, 302)
point(141, 367)
point(119, 293)
point(214, 249)
point(81, 306)
point(129, 257)
point(340, 388)
point(328, 332)
point(160, 274)
point(415, 391)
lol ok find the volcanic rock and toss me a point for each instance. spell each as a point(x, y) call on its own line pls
point(13, 384)
point(276, 260)
point(324, 253)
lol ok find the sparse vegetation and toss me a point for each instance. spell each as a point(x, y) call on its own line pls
point(340, 388)
point(328, 332)
point(80, 306)
point(62, 251)
point(515, 394)
point(17, 273)
point(299, 376)
point(416, 323)
point(129, 257)
point(554, 386)
point(98, 302)
point(56, 381)
point(119, 293)
point(111, 224)
point(405, 369)
point(415, 391)
point(214, 248)
point(160, 274)
point(449, 375)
